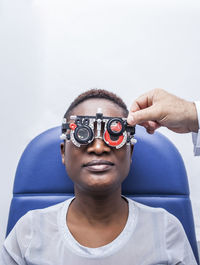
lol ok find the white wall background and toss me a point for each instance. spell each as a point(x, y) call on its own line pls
point(52, 50)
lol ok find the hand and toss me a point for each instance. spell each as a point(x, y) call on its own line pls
point(158, 108)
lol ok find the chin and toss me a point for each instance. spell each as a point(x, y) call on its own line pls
point(101, 183)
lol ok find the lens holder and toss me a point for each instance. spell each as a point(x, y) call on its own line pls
point(83, 134)
point(115, 126)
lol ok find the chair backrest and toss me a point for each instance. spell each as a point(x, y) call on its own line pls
point(157, 178)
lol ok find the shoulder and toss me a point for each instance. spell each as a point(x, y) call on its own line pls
point(144, 209)
point(166, 223)
point(39, 213)
point(47, 211)
point(156, 215)
point(31, 225)
point(34, 218)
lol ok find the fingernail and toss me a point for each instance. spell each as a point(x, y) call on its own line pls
point(130, 119)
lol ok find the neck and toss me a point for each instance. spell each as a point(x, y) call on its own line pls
point(99, 208)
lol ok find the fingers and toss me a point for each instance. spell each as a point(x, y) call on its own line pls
point(142, 102)
point(150, 126)
point(143, 115)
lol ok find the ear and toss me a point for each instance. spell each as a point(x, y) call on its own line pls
point(131, 152)
point(62, 150)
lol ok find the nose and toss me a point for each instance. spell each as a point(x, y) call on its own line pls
point(98, 146)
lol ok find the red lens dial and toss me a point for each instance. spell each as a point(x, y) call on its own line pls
point(111, 142)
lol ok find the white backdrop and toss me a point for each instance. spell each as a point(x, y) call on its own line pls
point(52, 50)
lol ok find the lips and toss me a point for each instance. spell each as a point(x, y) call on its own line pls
point(98, 165)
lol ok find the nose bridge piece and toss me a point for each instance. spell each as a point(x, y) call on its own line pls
point(99, 127)
point(99, 123)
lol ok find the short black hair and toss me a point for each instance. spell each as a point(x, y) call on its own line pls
point(96, 93)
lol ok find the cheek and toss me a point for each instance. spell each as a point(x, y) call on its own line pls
point(70, 159)
point(124, 158)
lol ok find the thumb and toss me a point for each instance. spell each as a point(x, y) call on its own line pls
point(143, 115)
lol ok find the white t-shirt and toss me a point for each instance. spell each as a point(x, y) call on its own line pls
point(151, 236)
point(196, 136)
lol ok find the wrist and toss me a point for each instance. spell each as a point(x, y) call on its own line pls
point(193, 117)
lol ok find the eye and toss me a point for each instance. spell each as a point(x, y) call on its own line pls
point(115, 126)
point(83, 134)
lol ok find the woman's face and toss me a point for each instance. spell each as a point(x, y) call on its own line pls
point(97, 167)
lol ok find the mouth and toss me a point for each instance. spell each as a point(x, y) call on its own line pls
point(98, 165)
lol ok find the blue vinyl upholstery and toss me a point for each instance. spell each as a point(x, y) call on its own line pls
point(157, 178)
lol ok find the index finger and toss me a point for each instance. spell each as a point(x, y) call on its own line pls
point(142, 102)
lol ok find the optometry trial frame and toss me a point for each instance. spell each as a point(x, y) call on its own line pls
point(84, 129)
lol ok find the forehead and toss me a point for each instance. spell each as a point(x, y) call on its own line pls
point(90, 106)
